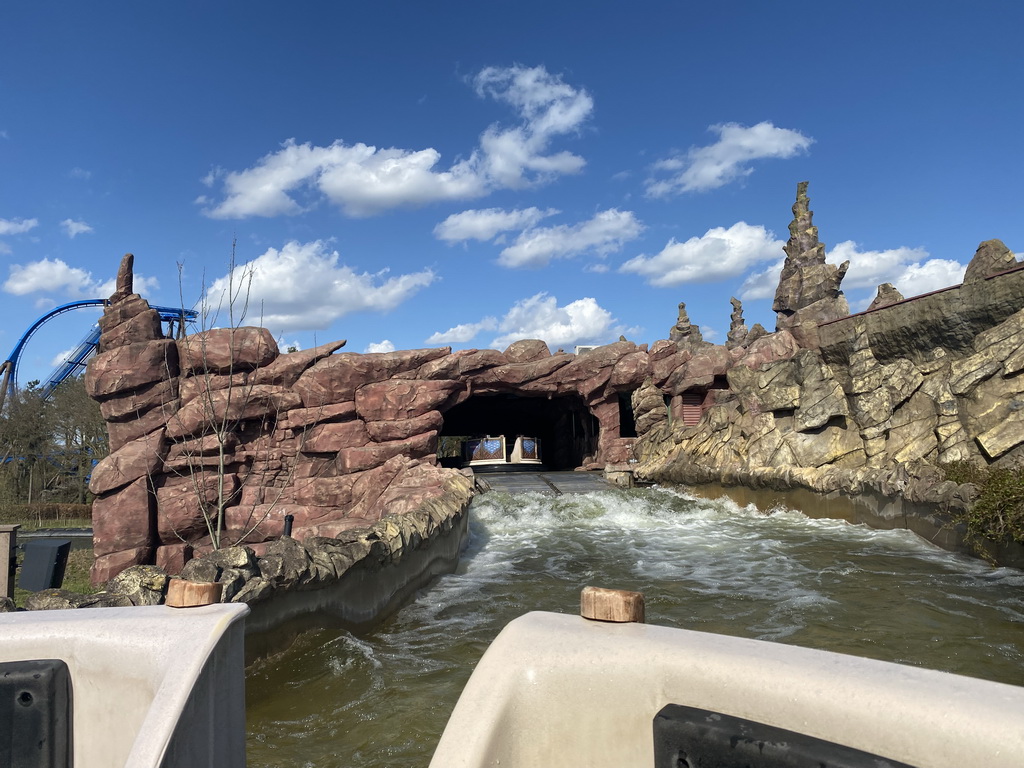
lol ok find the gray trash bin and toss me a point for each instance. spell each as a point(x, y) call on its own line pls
point(44, 564)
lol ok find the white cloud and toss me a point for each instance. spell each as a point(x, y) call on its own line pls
point(716, 255)
point(17, 226)
point(72, 228)
point(5, 249)
point(548, 107)
point(931, 275)
point(61, 357)
point(79, 173)
point(55, 276)
point(605, 233)
point(762, 285)
point(380, 346)
point(909, 269)
point(302, 287)
point(704, 168)
point(363, 180)
point(485, 224)
point(462, 333)
point(582, 321)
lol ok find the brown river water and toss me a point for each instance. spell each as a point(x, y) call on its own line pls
point(382, 698)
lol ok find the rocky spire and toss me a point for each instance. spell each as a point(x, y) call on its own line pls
point(125, 279)
point(887, 294)
point(992, 257)
point(737, 328)
point(808, 292)
point(683, 332)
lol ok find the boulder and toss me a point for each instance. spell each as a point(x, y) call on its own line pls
point(260, 403)
point(141, 584)
point(375, 454)
point(128, 463)
point(143, 327)
point(106, 566)
point(404, 399)
point(402, 429)
point(334, 436)
point(133, 404)
point(336, 378)
point(187, 505)
point(123, 520)
point(172, 557)
point(130, 367)
point(226, 350)
point(526, 351)
point(285, 370)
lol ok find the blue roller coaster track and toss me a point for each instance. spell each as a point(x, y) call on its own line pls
point(77, 359)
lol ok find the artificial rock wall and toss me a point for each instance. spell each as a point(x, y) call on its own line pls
point(215, 437)
point(219, 434)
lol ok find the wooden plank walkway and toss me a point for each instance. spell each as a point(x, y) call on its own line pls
point(551, 483)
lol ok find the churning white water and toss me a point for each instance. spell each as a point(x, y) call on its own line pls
point(382, 699)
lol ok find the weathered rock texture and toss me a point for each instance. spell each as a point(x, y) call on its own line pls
point(869, 403)
point(216, 437)
point(808, 293)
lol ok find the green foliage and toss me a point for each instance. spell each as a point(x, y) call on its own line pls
point(449, 446)
point(997, 514)
point(48, 446)
point(76, 576)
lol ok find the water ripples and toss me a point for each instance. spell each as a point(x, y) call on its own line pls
point(381, 700)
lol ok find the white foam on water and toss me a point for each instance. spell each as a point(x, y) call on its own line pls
point(710, 565)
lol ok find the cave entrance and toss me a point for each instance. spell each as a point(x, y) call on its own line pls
point(567, 430)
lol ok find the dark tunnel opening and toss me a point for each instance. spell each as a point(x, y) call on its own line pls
point(567, 430)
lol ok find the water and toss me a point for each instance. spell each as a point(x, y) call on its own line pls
point(382, 699)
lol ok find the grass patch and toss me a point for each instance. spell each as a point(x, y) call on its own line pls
point(997, 515)
point(35, 516)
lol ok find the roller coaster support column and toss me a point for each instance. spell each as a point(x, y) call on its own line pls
point(5, 382)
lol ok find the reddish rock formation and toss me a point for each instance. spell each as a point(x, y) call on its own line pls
point(217, 436)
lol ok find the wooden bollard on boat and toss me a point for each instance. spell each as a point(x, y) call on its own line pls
point(189, 594)
point(611, 605)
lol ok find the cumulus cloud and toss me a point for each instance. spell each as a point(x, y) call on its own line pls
point(55, 276)
point(762, 285)
point(488, 223)
point(583, 321)
point(17, 226)
point(363, 180)
point(605, 233)
point(462, 333)
point(62, 357)
point(909, 269)
point(716, 255)
point(380, 346)
point(729, 158)
point(72, 228)
point(303, 287)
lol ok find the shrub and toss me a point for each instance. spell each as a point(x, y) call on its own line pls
point(997, 514)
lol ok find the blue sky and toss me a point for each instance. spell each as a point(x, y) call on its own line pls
point(425, 174)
